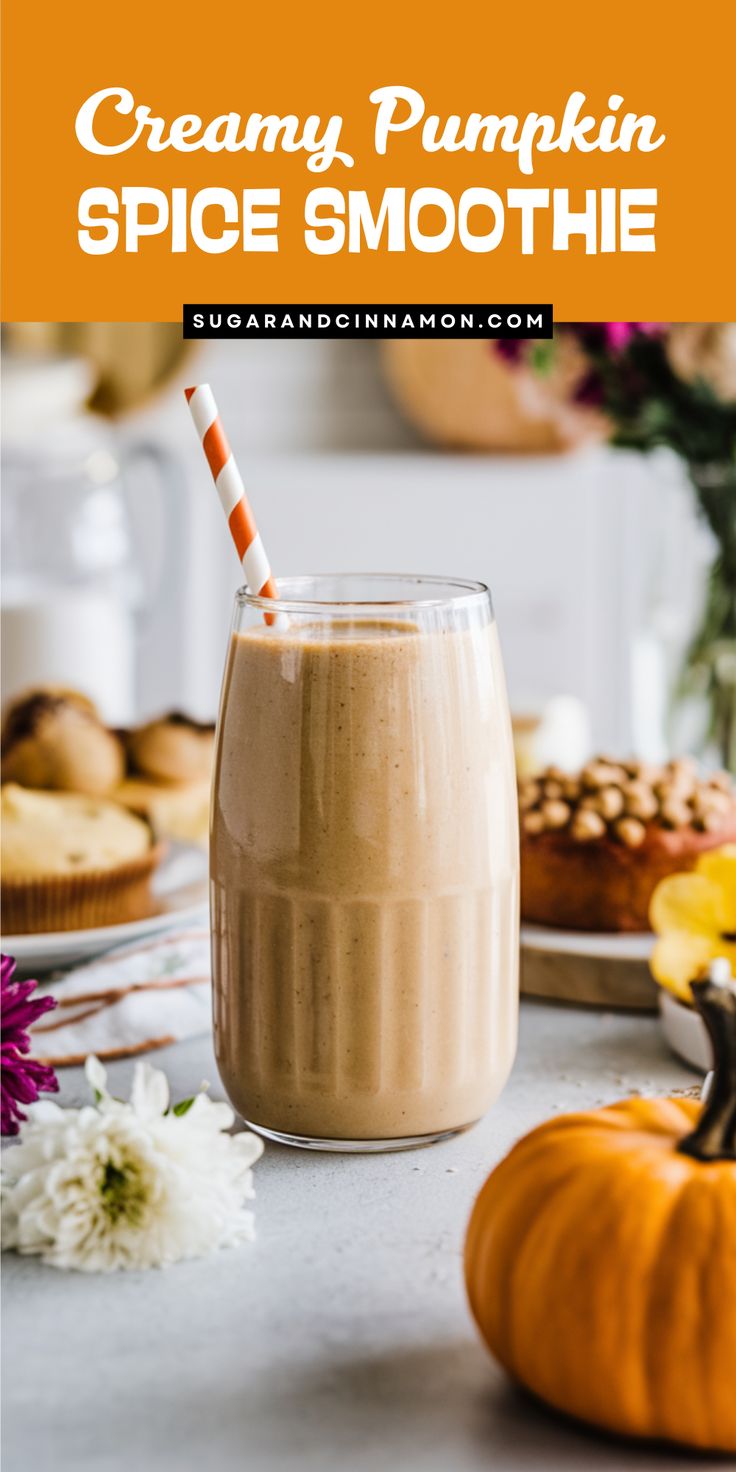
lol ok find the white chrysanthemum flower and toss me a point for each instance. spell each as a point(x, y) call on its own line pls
point(128, 1185)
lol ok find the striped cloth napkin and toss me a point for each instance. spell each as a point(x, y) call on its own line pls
point(131, 1000)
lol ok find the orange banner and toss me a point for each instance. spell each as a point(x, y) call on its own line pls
point(162, 154)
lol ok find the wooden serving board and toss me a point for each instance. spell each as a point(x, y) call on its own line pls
point(597, 980)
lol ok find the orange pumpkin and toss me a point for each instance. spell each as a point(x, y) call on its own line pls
point(601, 1258)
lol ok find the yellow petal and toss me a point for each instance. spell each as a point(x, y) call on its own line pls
point(679, 957)
point(719, 868)
point(726, 851)
point(685, 902)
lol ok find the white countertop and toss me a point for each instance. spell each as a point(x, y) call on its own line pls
point(340, 1340)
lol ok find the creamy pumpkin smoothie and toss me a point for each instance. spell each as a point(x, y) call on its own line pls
point(364, 877)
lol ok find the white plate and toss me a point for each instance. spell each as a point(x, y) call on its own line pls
point(685, 1031)
point(180, 893)
point(595, 945)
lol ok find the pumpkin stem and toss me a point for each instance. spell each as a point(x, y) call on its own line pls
point(714, 1136)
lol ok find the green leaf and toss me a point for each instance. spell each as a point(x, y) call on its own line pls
point(543, 357)
point(183, 1106)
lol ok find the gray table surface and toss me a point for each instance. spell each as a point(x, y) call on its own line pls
point(340, 1339)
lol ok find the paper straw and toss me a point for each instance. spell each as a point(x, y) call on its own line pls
point(230, 489)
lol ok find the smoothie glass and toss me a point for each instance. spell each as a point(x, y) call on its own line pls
point(364, 862)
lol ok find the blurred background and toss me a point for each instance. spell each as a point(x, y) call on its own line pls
point(118, 572)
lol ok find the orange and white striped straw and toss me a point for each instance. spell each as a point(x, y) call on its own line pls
point(230, 489)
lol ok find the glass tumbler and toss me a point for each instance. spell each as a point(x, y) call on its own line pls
point(364, 862)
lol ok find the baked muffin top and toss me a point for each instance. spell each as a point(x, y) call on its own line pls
point(46, 834)
point(173, 749)
point(53, 738)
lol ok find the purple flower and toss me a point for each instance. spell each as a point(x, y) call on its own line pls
point(22, 1078)
point(510, 348)
point(611, 338)
point(590, 390)
point(618, 335)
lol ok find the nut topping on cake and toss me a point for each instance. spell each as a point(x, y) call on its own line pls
point(534, 822)
point(631, 831)
point(587, 825)
point(556, 813)
point(622, 798)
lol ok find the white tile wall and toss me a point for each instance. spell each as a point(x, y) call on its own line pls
point(304, 396)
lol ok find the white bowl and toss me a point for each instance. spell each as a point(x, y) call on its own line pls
point(685, 1031)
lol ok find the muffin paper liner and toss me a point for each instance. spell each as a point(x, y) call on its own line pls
point(80, 901)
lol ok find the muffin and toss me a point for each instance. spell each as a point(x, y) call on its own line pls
point(53, 739)
point(595, 845)
point(174, 810)
point(168, 782)
point(70, 862)
point(172, 749)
